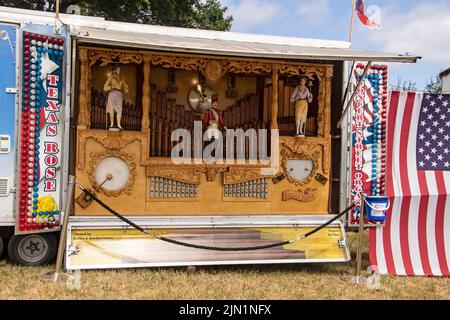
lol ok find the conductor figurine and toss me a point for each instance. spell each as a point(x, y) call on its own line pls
point(213, 119)
point(302, 97)
point(115, 86)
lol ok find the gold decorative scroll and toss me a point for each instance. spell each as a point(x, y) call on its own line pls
point(306, 195)
point(213, 70)
point(319, 147)
point(199, 62)
point(238, 175)
point(108, 57)
point(177, 173)
point(110, 140)
point(301, 149)
point(83, 115)
point(211, 171)
point(252, 67)
point(177, 62)
point(309, 71)
point(325, 158)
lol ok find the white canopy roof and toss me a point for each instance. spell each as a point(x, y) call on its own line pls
point(183, 43)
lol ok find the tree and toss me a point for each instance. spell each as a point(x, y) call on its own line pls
point(204, 14)
point(405, 85)
point(41, 5)
point(211, 15)
point(434, 85)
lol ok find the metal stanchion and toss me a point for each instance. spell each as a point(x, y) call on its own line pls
point(358, 279)
point(58, 275)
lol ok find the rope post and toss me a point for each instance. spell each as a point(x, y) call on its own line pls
point(58, 275)
point(360, 240)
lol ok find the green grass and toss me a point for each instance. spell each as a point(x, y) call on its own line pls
point(301, 281)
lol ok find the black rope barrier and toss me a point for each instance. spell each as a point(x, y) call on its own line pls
point(197, 246)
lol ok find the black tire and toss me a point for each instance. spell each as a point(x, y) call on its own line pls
point(1, 247)
point(32, 249)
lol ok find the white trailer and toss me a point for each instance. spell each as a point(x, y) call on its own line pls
point(40, 61)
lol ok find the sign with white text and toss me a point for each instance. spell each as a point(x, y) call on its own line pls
point(41, 131)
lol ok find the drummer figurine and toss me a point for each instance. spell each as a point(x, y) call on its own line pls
point(115, 86)
point(213, 120)
point(301, 97)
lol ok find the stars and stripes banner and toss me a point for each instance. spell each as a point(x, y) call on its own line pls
point(416, 237)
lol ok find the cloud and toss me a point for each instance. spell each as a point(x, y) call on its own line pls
point(424, 30)
point(250, 13)
point(313, 10)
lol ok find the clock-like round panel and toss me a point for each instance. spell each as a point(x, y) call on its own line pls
point(112, 173)
point(299, 169)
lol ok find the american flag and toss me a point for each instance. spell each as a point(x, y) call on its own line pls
point(416, 237)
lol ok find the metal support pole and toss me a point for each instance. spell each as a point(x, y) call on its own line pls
point(57, 9)
point(58, 275)
point(360, 240)
point(352, 19)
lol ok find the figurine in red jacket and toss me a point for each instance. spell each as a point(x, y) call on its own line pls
point(213, 119)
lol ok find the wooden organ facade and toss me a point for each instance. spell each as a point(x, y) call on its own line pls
point(140, 154)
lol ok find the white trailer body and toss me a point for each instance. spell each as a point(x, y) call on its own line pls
point(37, 246)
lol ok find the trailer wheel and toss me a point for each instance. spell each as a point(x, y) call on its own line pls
point(32, 249)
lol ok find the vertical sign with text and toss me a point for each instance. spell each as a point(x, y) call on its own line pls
point(41, 133)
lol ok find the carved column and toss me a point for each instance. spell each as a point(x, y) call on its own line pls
point(274, 106)
point(321, 107)
point(327, 111)
point(88, 95)
point(146, 92)
point(82, 90)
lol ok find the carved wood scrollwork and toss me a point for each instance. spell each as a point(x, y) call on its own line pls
point(325, 158)
point(309, 71)
point(287, 154)
point(181, 174)
point(329, 72)
point(96, 157)
point(307, 195)
point(211, 171)
point(301, 149)
point(248, 67)
point(213, 70)
point(108, 57)
point(110, 140)
point(179, 62)
point(234, 66)
point(238, 175)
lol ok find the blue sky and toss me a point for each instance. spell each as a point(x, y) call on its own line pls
point(416, 26)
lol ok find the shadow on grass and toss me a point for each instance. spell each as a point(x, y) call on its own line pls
point(342, 268)
point(269, 269)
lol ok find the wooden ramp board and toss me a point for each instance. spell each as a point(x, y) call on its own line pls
point(96, 248)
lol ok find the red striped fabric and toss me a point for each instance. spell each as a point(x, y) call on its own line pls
point(416, 237)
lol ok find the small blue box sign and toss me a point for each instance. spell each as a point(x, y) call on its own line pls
point(376, 207)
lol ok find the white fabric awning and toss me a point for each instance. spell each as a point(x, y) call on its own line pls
point(191, 43)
